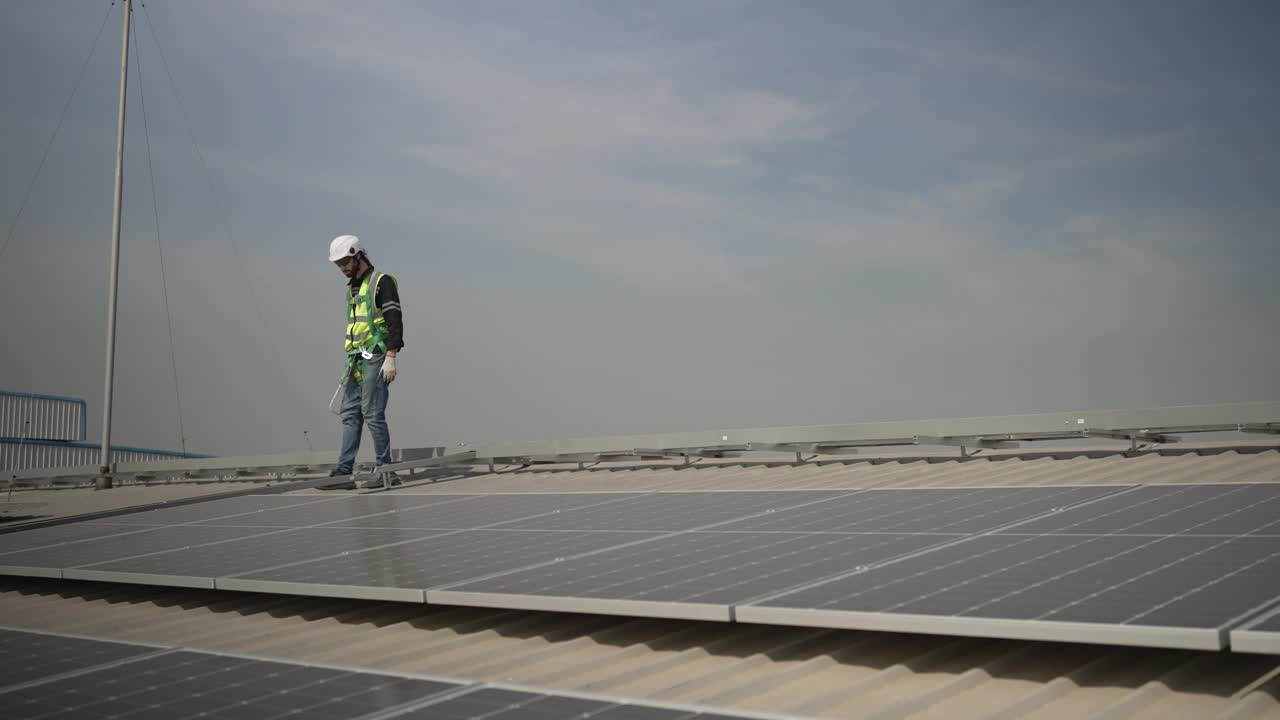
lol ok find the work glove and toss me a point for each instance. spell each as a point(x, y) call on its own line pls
point(389, 368)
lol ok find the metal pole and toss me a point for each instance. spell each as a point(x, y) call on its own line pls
point(104, 469)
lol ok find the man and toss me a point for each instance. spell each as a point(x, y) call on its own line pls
point(375, 336)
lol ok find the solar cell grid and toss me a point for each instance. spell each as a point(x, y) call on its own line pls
point(1188, 582)
point(123, 546)
point(437, 560)
point(672, 511)
point(720, 568)
point(1223, 509)
point(209, 509)
point(53, 676)
point(58, 534)
point(334, 510)
point(191, 684)
point(263, 551)
point(1268, 623)
point(26, 657)
point(486, 510)
point(940, 510)
point(1197, 558)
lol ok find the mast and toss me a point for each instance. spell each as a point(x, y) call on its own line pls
point(104, 469)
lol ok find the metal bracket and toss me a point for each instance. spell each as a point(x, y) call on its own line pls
point(1134, 437)
point(690, 461)
point(964, 442)
point(817, 448)
point(1261, 428)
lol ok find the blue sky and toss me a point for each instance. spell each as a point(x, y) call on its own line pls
point(614, 217)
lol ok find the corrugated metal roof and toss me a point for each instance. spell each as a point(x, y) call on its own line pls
point(813, 672)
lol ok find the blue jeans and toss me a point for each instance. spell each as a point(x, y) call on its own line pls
point(365, 401)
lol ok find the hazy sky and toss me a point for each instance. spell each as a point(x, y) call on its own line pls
point(614, 217)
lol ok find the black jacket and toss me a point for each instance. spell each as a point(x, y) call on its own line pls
point(387, 299)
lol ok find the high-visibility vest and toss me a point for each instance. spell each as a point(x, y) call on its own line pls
point(366, 328)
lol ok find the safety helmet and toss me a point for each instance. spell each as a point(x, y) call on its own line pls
point(344, 246)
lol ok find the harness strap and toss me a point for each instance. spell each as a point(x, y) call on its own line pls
point(376, 337)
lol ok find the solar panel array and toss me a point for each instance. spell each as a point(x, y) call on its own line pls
point(1177, 566)
point(1154, 565)
point(53, 676)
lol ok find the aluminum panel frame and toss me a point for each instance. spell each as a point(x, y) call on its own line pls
point(132, 578)
point(1052, 631)
point(24, 571)
point(1251, 638)
point(593, 606)
point(1261, 642)
point(355, 592)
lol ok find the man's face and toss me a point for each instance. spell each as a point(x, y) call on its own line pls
point(347, 265)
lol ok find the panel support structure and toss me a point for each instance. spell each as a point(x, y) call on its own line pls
point(1147, 424)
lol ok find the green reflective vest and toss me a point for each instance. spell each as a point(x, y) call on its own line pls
point(366, 328)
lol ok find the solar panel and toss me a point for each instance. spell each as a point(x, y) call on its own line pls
point(58, 534)
point(426, 563)
point(193, 684)
point(51, 676)
point(1175, 565)
point(26, 657)
point(487, 510)
point(335, 510)
point(1220, 509)
point(936, 510)
point(675, 510)
point(694, 575)
point(1170, 590)
point(49, 561)
point(209, 509)
point(198, 566)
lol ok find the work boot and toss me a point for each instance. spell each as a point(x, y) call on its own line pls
point(339, 472)
point(388, 476)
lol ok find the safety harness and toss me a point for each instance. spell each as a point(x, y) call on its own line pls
point(363, 346)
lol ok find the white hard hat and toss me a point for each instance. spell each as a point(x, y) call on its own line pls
point(344, 246)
